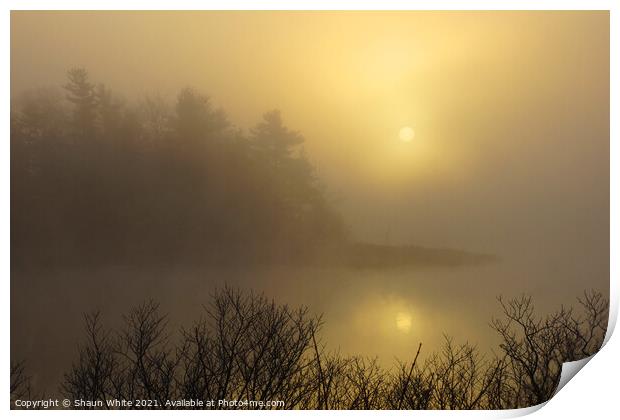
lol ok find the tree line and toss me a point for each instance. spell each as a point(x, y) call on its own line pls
point(247, 347)
point(97, 180)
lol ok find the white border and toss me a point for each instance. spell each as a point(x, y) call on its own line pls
point(592, 395)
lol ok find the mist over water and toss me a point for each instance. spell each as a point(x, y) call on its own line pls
point(360, 307)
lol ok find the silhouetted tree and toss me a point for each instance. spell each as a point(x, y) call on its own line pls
point(81, 93)
point(92, 377)
point(96, 181)
point(275, 140)
point(195, 120)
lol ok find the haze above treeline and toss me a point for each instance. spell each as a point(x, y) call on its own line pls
point(97, 182)
point(510, 110)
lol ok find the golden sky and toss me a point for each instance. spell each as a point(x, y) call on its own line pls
point(510, 109)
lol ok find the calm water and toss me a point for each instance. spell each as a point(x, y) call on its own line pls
point(383, 313)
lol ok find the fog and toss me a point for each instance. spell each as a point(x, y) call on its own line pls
point(510, 110)
point(510, 157)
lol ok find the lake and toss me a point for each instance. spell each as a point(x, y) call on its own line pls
point(383, 313)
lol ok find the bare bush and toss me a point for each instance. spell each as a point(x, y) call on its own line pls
point(246, 347)
point(535, 347)
point(21, 386)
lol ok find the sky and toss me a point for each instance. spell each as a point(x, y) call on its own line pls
point(510, 110)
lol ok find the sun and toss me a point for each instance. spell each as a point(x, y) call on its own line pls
point(403, 321)
point(406, 134)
